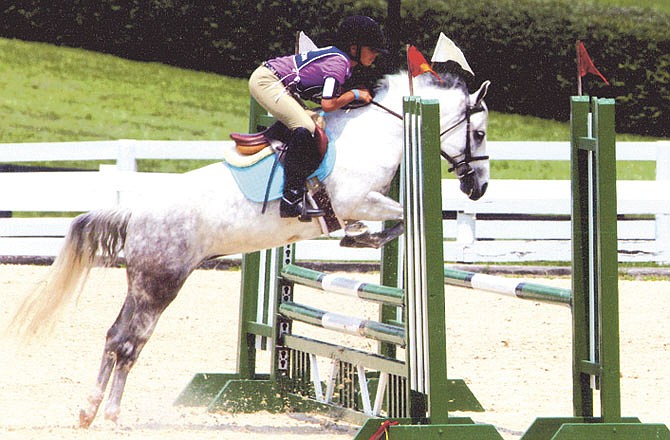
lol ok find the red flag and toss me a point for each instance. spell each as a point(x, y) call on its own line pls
point(417, 63)
point(585, 64)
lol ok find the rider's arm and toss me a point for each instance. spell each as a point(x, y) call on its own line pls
point(334, 103)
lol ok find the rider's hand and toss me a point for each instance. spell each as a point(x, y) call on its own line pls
point(362, 95)
point(353, 95)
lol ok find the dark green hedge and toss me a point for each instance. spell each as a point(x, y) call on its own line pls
point(525, 47)
point(225, 36)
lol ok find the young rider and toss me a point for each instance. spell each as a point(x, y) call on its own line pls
point(322, 72)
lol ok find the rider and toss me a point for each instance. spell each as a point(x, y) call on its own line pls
point(359, 41)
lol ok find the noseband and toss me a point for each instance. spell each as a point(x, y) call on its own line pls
point(462, 168)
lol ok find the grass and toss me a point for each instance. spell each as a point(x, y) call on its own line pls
point(61, 94)
point(656, 5)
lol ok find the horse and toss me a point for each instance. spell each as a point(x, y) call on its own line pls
point(205, 216)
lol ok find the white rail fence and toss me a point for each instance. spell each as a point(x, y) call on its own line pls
point(517, 220)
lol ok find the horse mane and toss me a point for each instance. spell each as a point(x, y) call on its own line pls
point(393, 87)
point(390, 91)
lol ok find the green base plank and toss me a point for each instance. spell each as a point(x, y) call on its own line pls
point(612, 431)
point(461, 397)
point(462, 428)
point(429, 432)
point(572, 428)
point(246, 396)
point(203, 388)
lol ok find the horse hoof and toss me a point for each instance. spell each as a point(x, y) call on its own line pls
point(355, 229)
point(365, 240)
point(112, 416)
point(85, 419)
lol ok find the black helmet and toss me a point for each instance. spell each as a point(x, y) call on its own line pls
point(360, 30)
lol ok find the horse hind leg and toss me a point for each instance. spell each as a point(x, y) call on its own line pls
point(109, 360)
point(125, 340)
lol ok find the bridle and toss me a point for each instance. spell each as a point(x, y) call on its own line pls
point(460, 168)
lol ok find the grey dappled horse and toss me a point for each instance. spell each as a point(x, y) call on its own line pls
point(204, 215)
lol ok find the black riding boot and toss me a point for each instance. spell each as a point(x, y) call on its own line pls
point(300, 160)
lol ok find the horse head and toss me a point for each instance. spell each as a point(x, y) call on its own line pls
point(463, 141)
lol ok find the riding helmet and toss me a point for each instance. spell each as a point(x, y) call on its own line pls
point(361, 31)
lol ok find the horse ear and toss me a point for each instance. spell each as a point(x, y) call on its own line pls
point(479, 95)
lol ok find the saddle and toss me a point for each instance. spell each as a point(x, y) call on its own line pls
point(250, 144)
point(255, 165)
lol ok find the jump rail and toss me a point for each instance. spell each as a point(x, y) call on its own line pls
point(508, 286)
point(343, 323)
point(343, 285)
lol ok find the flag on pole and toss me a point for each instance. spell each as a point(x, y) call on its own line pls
point(446, 50)
point(305, 44)
point(585, 64)
point(417, 63)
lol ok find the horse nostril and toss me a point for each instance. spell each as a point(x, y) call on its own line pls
point(473, 192)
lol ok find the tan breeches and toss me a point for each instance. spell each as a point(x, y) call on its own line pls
point(269, 92)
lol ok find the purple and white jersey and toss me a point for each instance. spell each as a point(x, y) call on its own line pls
point(309, 71)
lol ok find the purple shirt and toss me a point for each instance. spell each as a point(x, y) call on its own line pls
point(310, 69)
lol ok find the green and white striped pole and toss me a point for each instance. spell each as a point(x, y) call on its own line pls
point(508, 286)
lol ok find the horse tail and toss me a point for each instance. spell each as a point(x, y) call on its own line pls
point(94, 238)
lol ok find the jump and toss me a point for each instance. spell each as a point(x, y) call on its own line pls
point(205, 216)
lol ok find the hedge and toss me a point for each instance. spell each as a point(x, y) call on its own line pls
point(525, 47)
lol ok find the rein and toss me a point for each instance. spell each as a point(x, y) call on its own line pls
point(388, 110)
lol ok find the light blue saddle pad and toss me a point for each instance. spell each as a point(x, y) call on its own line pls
point(253, 180)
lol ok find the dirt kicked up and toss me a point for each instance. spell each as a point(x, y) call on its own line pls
point(514, 355)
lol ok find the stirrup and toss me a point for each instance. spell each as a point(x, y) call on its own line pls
point(298, 208)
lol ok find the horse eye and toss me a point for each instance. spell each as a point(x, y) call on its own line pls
point(479, 135)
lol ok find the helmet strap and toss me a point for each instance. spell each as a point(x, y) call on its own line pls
point(357, 54)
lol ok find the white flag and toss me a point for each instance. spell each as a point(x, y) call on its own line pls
point(446, 50)
point(305, 44)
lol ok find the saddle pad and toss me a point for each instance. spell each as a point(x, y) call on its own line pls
point(252, 180)
point(233, 157)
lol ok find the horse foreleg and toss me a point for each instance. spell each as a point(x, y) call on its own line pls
point(374, 240)
point(377, 207)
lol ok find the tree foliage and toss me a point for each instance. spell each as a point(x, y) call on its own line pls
point(525, 47)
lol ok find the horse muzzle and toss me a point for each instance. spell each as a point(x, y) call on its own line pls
point(470, 186)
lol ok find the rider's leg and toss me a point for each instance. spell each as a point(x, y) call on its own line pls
point(301, 158)
point(270, 93)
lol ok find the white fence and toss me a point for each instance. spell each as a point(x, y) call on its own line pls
point(517, 220)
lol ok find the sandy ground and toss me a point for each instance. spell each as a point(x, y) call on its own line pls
point(514, 354)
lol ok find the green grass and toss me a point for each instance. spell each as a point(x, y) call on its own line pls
point(61, 94)
point(54, 93)
point(657, 5)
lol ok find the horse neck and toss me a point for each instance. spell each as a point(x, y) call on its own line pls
point(396, 87)
point(368, 142)
point(370, 137)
